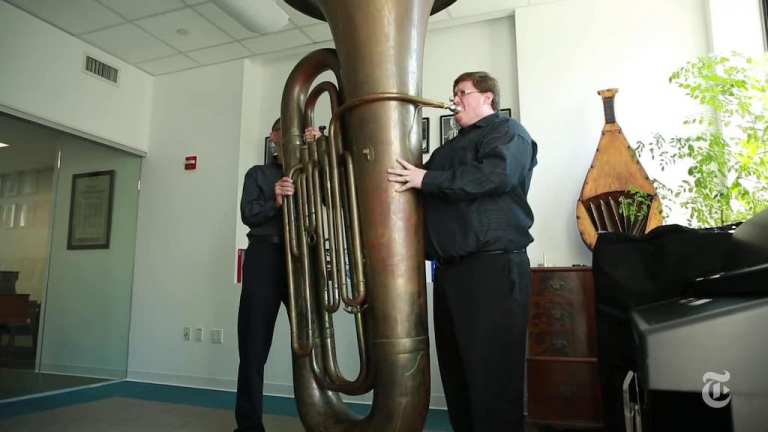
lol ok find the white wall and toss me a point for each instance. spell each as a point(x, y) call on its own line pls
point(487, 45)
point(41, 75)
point(184, 274)
point(567, 50)
point(185, 244)
point(185, 250)
point(253, 130)
point(557, 54)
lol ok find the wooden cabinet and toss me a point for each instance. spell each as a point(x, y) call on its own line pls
point(18, 317)
point(563, 380)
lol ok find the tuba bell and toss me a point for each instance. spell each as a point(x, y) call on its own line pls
point(351, 240)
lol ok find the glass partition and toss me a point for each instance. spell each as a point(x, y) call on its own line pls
point(68, 209)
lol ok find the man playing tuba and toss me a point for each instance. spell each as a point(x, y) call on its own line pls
point(477, 222)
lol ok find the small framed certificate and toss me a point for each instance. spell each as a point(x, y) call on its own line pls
point(90, 210)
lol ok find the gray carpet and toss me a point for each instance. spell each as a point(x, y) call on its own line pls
point(119, 414)
point(19, 382)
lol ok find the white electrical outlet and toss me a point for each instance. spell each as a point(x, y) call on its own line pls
point(187, 334)
point(217, 336)
point(199, 332)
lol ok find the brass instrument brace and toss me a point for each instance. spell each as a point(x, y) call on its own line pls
point(379, 97)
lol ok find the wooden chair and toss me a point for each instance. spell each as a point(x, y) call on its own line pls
point(18, 316)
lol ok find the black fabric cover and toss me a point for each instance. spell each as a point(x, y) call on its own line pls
point(634, 271)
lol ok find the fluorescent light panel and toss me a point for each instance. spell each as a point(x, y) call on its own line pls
point(4, 145)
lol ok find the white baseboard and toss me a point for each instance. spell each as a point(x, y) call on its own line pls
point(82, 370)
point(437, 401)
point(211, 383)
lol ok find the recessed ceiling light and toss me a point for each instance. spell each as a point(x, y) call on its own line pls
point(4, 145)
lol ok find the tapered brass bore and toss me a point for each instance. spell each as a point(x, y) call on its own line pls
point(352, 242)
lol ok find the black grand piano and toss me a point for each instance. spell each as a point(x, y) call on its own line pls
point(682, 317)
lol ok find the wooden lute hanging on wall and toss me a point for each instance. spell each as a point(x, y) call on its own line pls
point(614, 173)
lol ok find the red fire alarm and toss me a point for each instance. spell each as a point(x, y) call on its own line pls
point(240, 259)
point(190, 163)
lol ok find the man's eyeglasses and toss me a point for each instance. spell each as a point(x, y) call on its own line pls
point(461, 93)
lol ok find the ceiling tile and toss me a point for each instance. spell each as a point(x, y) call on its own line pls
point(219, 53)
point(296, 17)
point(276, 41)
point(133, 9)
point(184, 30)
point(224, 21)
point(462, 9)
point(194, 2)
point(129, 43)
point(318, 32)
point(73, 16)
point(168, 64)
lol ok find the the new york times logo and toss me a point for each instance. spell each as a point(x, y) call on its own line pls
point(715, 393)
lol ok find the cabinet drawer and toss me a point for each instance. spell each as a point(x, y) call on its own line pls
point(564, 392)
point(561, 321)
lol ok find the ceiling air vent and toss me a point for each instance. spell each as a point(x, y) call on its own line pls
point(100, 69)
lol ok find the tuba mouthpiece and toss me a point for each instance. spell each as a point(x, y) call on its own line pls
point(452, 107)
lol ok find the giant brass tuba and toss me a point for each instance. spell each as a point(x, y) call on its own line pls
point(351, 240)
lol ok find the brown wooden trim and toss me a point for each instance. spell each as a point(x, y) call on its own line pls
point(561, 269)
point(563, 359)
point(569, 425)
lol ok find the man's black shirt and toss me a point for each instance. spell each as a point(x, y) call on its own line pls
point(258, 209)
point(475, 190)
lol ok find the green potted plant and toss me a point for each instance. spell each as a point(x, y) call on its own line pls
point(634, 206)
point(727, 149)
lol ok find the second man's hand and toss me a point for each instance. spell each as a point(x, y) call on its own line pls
point(409, 176)
point(283, 187)
point(311, 134)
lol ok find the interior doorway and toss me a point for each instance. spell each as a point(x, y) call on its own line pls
point(28, 159)
point(68, 209)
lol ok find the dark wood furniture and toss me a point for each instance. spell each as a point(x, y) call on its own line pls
point(563, 380)
point(18, 316)
point(8, 281)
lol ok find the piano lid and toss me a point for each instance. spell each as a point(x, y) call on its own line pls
point(752, 237)
point(746, 262)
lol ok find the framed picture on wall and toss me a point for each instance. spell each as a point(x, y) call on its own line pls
point(448, 128)
point(425, 135)
point(90, 210)
point(8, 215)
point(506, 112)
point(28, 182)
point(11, 185)
point(25, 215)
point(267, 150)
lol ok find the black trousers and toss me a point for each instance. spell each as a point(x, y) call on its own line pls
point(264, 288)
point(481, 319)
